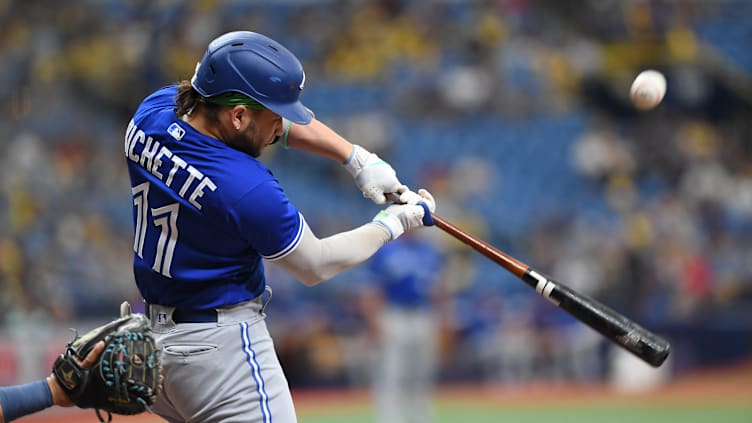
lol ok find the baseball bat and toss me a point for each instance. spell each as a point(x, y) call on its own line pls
point(644, 344)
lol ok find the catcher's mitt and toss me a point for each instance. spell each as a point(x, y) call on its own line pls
point(125, 378)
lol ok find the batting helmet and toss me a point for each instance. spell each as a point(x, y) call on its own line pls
point(256, 66)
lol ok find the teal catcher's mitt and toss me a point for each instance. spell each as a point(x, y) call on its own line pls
point(125, 378)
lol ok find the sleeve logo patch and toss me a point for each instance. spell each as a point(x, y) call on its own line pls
point(176, 131)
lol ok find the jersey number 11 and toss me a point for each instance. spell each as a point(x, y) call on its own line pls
point(165, 218)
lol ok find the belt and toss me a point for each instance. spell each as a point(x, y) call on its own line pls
point(187, 315)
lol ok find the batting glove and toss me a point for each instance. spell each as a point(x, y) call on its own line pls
point(400, 218)
point(373, 176)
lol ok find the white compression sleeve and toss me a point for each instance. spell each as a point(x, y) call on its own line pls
point(316, 260)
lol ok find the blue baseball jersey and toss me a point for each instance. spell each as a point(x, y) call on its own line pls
point(204, 213)
point(406, 271)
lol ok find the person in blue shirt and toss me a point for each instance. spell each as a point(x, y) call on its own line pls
point(401, 307)
point(207, 214)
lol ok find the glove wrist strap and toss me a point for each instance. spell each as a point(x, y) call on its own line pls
point(357, 160)
point(71, 377)
point(391, 222)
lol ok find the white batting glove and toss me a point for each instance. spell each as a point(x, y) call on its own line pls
point(400, 218)
point(373, 176)
point(405, 196)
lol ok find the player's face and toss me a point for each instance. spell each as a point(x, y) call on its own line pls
point(263, 127)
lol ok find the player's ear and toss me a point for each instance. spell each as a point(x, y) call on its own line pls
point(238, 116)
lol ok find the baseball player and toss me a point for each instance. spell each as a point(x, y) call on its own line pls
point(206, 213)
point(401, 311)
point(22, 400)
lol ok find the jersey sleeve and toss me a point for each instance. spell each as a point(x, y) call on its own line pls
point(268, 221)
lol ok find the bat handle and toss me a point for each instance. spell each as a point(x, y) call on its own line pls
point(393, 197)
point(510, 263)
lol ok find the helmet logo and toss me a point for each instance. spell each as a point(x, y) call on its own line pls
point(302, 83)
point(275, 79)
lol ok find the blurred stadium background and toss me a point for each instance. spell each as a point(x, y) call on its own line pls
point(514, 113)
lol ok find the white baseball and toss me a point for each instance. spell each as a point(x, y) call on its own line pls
point(648, 89)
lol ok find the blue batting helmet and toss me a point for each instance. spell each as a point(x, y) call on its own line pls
point(257, 66)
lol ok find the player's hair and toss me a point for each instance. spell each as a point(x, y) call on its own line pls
point(188, 99)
